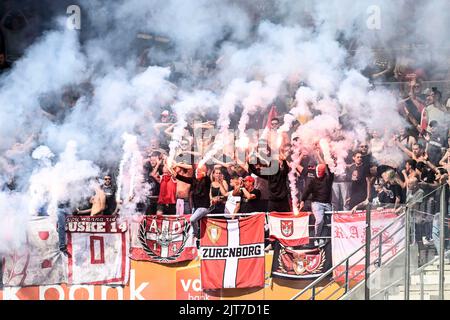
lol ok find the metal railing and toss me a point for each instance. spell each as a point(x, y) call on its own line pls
point(420, 271)
point(407, 223)
point(315, 288)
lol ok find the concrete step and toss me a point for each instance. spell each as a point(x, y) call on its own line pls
point(428, 287)
point(435, 267)
point(428, 295)
point(400, 296)
point(429, 278)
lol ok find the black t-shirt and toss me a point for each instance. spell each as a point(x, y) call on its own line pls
point(390, 193)
point(357, 176)
point(252, 205)
point(428, 176)
point(153, 183)
point(110, 193)
point(320, 189)
point(199, 190)
point(367, 160)
point(278, 189)
point(434, 147)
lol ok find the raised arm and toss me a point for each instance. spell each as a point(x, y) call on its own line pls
point(404, 149)
point(445, 159)
point(223, 188)
point(247, 194)
point(169, 130)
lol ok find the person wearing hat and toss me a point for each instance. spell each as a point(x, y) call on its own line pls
point(320, 190)
point(250, 196)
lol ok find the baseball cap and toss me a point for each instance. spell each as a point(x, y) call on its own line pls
point(249, 179)
point(165, 113)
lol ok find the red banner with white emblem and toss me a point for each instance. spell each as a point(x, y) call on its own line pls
point(232, 252)
point(162, 239)
point(288, 228)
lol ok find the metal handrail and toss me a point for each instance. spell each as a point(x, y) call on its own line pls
point(326, 274)
point(407, 271)
point(313, 285)
point(417, 271)
point(378, 266)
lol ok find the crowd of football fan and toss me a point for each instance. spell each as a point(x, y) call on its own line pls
point(233, 185)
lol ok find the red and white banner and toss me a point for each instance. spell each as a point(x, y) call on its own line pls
point(232, 252)
point(39, 262)
point(162, 239)
point(98, 250)
point(290, 229)
point(349, 233)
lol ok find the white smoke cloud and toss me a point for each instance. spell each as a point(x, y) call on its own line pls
point(312, 42)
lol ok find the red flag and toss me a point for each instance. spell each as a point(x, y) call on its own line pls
point(289, 229)
point(232, 253)
point(272, 114)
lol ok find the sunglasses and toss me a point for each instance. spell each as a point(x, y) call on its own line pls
point(106, 178)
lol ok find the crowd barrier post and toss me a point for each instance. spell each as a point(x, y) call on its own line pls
point(407, 252)
point(443, 216)
point(367, 259)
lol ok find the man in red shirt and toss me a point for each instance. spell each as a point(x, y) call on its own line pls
point(167, 193)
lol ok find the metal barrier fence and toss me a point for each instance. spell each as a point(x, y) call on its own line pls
point(406, 223)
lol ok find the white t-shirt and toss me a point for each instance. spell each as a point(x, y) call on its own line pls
point(436, 114)
point(232, 202)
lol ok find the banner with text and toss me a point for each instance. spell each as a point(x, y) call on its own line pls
point(162, 239)
point(98, 250)
point(232, 252)
point(349, 233)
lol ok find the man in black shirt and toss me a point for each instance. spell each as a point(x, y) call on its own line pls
point(392, 192)
point(110, 192)
point(366, 156)
point(250, 196)
point(320, 189)
point(200, 186)
point(278, 188)
point(359, 176)
point(152, 171)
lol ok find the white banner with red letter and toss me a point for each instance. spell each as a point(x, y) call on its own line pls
point(98, 250)
point(232, 252)
point(39, 261)
point(349, 233)
point(290, 229)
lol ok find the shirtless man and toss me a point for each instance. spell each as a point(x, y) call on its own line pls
point(98, 202)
